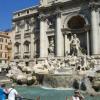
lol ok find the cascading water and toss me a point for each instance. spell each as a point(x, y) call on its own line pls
point(89, 88)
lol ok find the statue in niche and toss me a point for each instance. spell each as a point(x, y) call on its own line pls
point(51, 46)
point(75, 45)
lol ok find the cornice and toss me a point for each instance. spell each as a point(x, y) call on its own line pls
point(23, 17)
point(42, 17)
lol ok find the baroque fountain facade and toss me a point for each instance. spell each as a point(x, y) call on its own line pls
point(57, 43)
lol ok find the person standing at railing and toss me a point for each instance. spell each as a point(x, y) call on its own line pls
point(12, 93)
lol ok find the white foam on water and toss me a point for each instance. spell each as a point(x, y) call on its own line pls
point(60, 88)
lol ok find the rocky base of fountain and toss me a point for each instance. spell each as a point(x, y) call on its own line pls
point(59, 72)
point(22, 75)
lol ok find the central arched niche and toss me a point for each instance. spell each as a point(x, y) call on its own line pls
point(76, 22)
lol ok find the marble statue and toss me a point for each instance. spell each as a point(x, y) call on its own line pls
point(75, 45)
point(51, 46)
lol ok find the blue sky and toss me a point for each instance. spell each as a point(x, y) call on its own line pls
point(7, 7)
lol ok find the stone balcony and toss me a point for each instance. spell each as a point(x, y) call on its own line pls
point(17, 55)
point(18, 36)
point(27, 35)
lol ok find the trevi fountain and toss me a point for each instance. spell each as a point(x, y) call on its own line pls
point(65, 46)
point(76, 70)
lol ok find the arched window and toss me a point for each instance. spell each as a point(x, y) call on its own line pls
point(26, 46)
point(17, 47)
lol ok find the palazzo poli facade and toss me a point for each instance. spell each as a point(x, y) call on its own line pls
point(48, 29)
point(5, 49)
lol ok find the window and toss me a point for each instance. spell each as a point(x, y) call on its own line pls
point(6, 40)
point(1, 39)
point(27, 11)
point(6, 55)
point(27, 63)
point(6, 33)
point(17, 47)
point(26, 46)
point(6, 47)
point(18, 14)
point(17, 28)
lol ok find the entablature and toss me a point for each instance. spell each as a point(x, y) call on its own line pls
point(28, 12)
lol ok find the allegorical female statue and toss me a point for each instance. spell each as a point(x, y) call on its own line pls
point(51, 46)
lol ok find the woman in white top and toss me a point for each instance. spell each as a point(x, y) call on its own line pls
point(12, 93)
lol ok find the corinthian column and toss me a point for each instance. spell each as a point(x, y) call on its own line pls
point(43, 37)
point(59, 37)
point(94, 30)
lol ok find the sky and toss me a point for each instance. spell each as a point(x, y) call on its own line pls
point(7, 7)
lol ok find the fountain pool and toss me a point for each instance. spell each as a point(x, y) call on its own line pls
point(49, 93)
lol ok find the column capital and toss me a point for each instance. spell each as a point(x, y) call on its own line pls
point(58, 12)
point(42, 17)
point(94, 5)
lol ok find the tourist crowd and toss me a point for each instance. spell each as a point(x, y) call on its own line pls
point(11, 94)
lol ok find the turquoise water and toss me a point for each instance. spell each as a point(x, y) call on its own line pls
point(48, 94)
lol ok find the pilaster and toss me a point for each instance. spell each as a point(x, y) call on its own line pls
point(94, 29)
point(22, 42)
point(43, 36)
point(59, 36)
